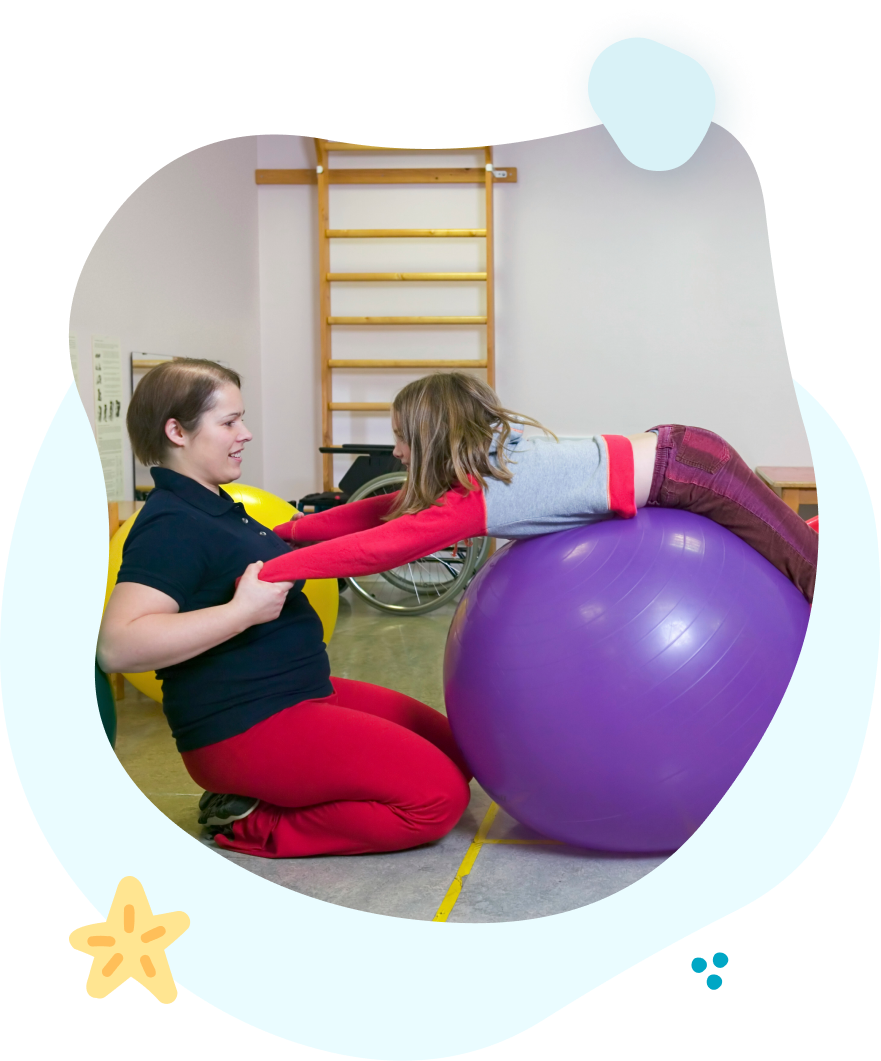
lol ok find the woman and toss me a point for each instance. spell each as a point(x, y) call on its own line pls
point(322, 765)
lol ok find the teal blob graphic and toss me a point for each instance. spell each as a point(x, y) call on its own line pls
point(698, 965)
point(720, 960)
point(736, 105)
point(714, 982)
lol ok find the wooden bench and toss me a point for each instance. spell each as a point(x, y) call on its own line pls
point(796, 486)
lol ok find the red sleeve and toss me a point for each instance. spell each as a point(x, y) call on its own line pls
point(460, 514)
point(622, 497)
point(335, 522)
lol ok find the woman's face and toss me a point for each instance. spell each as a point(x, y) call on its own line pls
point(401, 450)
point(212, 454)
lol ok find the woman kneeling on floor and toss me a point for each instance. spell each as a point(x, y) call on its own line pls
point(319, 765)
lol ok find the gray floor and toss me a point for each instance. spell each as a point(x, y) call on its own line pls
point(508, 882)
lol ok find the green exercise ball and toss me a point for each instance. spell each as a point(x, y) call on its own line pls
point(106, 703)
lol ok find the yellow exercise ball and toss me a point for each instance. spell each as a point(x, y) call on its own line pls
point(322, 593)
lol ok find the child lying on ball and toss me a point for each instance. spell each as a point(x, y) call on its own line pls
point(472, 473)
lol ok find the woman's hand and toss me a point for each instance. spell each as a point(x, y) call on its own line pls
point(143, 628)
point(258, 602)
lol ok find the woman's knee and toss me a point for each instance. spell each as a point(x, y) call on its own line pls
point(441, 810)
point(459, 798)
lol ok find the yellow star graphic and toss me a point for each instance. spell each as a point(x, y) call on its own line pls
point(131, 942)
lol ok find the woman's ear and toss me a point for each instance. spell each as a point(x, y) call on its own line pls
point(174, 433)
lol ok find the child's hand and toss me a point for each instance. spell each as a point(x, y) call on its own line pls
point(285, 531)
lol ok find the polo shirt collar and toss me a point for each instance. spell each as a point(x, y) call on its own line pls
point(192, 492)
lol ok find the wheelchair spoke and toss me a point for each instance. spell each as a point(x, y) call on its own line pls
point(415, 587)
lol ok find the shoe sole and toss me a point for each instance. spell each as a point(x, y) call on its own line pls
point(216, 820)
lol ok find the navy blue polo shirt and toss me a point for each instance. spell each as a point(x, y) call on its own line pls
point(192, 545)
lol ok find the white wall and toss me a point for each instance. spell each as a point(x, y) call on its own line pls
point(176, 272)
point(627, 298)
point(291, 394)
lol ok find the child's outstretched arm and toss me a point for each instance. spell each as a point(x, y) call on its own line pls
point(335, 522)
point(460, 514)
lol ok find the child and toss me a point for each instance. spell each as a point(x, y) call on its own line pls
point(471, 473)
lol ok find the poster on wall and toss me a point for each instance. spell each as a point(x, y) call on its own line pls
point(109, 413)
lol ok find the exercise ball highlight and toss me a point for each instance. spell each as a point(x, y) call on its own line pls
point(608, 683)
point(322, 593)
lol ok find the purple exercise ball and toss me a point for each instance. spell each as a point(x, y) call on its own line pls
point(608, 683)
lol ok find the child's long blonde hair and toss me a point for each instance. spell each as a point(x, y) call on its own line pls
point(449, 420)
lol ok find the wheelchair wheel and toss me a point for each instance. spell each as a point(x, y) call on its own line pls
point(426, 583)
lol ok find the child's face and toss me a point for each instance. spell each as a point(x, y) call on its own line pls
point(401, 450)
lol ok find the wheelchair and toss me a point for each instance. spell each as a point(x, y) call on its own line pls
point(422, 585)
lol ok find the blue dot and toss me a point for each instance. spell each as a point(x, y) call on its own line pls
point(698, 965)
point(720, 960)
point(714, 982)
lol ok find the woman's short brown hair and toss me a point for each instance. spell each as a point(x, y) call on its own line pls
point(182, 390)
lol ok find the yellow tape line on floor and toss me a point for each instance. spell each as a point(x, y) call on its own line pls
point(446, 907)
point(480, 838)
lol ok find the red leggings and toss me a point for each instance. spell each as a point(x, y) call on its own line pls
point(367, 769)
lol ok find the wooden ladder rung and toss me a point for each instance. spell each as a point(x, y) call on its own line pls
point(422, 175)
point(406, 320)
point(404, 233)
point(405, 276)
point(411, 362)
point(359, 407)
point(337, 145)
point(414, 175)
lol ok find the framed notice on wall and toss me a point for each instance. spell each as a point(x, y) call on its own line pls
point(109, 413)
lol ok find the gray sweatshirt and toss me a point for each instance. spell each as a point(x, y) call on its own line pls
point(558, 485)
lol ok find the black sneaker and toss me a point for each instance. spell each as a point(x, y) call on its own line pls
point(221, 830)
point(218, 808)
